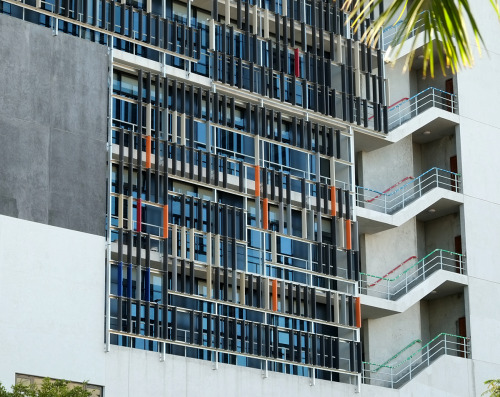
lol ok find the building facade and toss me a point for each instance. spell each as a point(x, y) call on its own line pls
point(241, 195)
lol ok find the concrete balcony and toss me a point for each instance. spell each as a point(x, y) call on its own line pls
point(440, 273)
point(433, 194)
point(400, 374)
point(431, 110)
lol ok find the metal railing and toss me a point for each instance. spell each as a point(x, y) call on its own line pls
point(389, 203)
point(389, 33)
point(409, 345)
point(429, 98)
point(397, 375)
point(394, 288)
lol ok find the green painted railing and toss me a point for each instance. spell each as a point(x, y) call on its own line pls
point(392, 288)
point(400, 352)
point(394, 376)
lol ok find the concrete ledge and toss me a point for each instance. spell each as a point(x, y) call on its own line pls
point(440, 283)
point(443, 201)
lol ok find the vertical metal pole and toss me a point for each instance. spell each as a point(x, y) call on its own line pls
point(163, 351)
point(423, 269)
point(108, 218)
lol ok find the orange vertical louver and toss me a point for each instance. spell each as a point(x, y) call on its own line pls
point(333, 198)
point(265, 217)
point(348, 243)
point(358, 312)
point(275, 295)
point(165, 221)
point(148, 151)
point(257, 181)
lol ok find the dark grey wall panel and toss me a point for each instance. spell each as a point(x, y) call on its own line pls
point(56, 153)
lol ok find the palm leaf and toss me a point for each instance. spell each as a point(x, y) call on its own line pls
point(443, 23)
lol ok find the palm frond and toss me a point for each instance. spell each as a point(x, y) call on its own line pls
point(443, 23)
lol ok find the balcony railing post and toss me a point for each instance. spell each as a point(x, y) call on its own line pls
point(423, 269)
point(445, 344)
point(392, 379)
point(388, 293)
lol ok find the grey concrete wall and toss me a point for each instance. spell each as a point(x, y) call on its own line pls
point(441, 232)
point(444, 314)
point(384, 167)
point(386, 250)
point(388, 335)
point(437, 154)
point(53, 109)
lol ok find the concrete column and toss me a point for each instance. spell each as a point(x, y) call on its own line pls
point(217, 250)
point(174, 127)
point(148, 117)
point(209, 248)
point(209, 281)
point(183, 242)
point(174, 240)
point(265, 281)
point(336, 314)
point(339, 50)
point(266, 24)
point(227, 11)
point(191, 244)
point(183, 130)
point(332, 171)
point(242, 287)
point(274, 254)
point(255, 20)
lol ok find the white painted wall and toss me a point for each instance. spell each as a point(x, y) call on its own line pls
point(52, 294)
point(53, 280)
point(479, 137)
